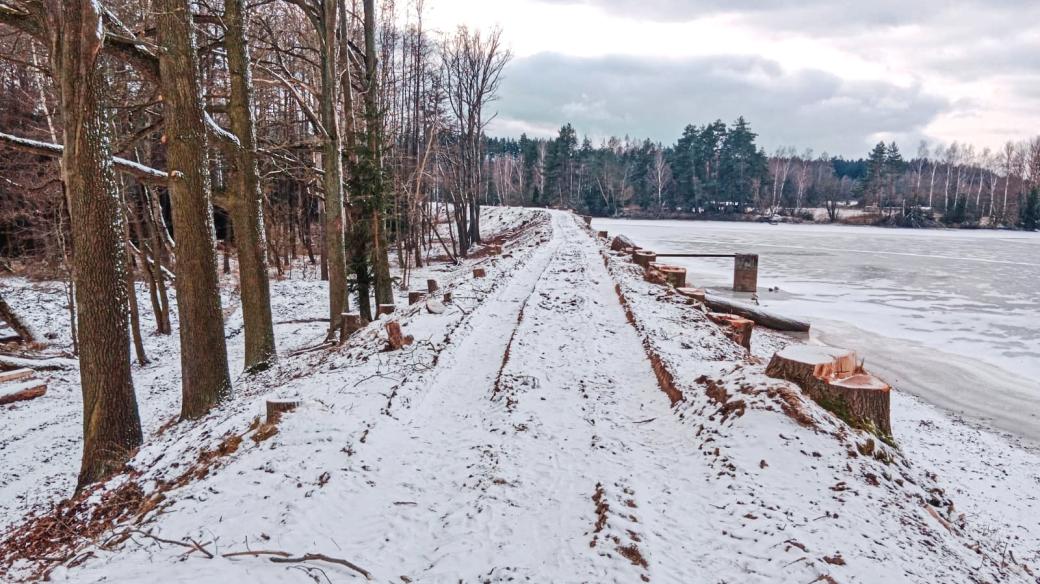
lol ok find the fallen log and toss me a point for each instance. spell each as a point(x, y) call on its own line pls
point(696, 294)
point(15, 375)
point(834, 379)
point(761, 317)
point(26, 390)
point(44, 364)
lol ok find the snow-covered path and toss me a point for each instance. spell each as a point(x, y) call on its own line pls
point(524, 437)
point(547, 400)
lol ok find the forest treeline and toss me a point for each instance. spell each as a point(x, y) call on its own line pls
point(718, 169)
point(142, 139)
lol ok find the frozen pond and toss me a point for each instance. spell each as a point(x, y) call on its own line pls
point(952, 316)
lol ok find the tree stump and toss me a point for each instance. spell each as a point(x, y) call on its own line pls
point(644, 257)
point(434, 306)
point(745, 273)
point(350, 323)
point(674, 275)
point(15, 375)
point(602, 234)
point(834, 379)
point(26, 390)
point(447, 297)
point(277, 407)
point(395, 338)
point(587, 219)
point(737, 328)
point(479, 273)
point(415, 296)
point(697, 294)
point(432, 286)
point(384, 309)
point(494, 249)
point(620, 242)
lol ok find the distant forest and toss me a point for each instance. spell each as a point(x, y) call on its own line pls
point(718, 170)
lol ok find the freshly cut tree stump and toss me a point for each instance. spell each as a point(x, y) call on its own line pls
point(277, 407)
point(395, 337)
point(432, 286)
point(15, 375)
point(479, 273)
point(587, 219)
point(602, 234)
point(697, 294)
point(415, 296)
point(350, 324)
point(434, 306)
point(674, 275)
point(737, 328)
point(447, 297)
point(644, 257)
point(834, 379)
point(385, 309)
point(621, 242)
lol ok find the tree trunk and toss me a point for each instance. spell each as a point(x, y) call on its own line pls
point(247, 214)
point(111, 424)
point(332, 165)
point(380, 260)
point(204, 367)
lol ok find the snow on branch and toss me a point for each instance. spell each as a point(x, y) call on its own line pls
point(143, 173)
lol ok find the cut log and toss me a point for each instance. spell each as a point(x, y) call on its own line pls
point(479, 273)
point(602, 234)
point(384, 309)
point(620, 242)
point(26, 390)
point(350, 323)
point(644, 257)
point(432, 286)
point(15, 375)
point(277, 407)
point(697, 294)
point(447, 297)
point(8, 315)
point(834, 379)
point(415, 296)
point(434, 306)
point(41, 364)
point(737, 328)
point(761, 317)
point(395, 338)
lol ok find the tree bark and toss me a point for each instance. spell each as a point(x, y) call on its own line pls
point(380, 260)
point(111, 423)
point(332, 165)
point(247, 210)
point(204, 368)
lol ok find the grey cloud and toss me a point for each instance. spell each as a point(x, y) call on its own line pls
point(656, 98)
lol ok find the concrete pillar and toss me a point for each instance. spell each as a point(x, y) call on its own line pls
point(745, 273)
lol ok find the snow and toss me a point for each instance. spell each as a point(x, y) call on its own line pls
point(524, 436)
point(949, 315)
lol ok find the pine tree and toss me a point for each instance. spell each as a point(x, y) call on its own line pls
point(1031, 211)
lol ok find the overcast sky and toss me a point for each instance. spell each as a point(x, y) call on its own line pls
point(832, 75)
